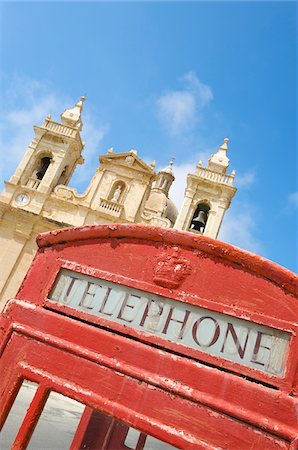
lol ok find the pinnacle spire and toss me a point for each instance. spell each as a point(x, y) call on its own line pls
point(72, 116)
point(224, 146)
point(219, 162)
point(80, 102)
point(169, 167)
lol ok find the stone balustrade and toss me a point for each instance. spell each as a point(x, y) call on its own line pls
point(110, 207)
point(59, 128)
point(214, 176)
point(33, 183)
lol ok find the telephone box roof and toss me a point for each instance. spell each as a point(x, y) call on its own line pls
point(251, 262)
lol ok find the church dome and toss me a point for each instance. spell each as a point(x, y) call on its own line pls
point(171, 212)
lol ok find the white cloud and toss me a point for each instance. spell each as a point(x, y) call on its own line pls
point(293, 199)
point(179, 185)
point(177, 111)
point(245, 180)
point(202, 91)
point(180, 110)
point(180, 173)
point(239, 223)
point(21, 109)
point(92, 135)
point(27, 103)
point(239, 227)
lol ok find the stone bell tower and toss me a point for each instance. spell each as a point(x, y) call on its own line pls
point(208, 195)
point(49, 160)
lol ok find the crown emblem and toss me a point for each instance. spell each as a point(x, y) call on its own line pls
point(171, 268)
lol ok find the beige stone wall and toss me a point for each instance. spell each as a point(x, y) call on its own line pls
point(18, 247)
point(51, 208)
point(30, 204)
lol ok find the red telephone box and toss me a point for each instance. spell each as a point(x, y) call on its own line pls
point(165, 338)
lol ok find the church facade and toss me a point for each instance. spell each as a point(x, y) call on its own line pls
point(124, 189)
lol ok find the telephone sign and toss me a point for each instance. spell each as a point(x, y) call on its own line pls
point(215, 333)
point(135, 337)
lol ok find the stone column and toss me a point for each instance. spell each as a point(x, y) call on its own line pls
point(185, 210)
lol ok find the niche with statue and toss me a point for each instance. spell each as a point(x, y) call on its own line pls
point(117, 192)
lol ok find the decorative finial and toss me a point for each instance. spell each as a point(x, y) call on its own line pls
point(72, 116)
point(134, 152)
point(169, 168)
point(233, 173)
point(153, 164)
point(80, 102)
point(224, 146)
point(198, 167)
point(219, 162)
point(110, 150)
point(49, 116)
point(171, 163)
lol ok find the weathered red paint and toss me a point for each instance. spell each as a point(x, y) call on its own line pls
point(180, 395)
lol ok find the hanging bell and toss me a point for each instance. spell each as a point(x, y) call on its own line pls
point(45, 162)
point(200, 221)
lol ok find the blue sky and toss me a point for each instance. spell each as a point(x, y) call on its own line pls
point(167, 78)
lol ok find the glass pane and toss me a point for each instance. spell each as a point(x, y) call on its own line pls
point(57, 424)
point(155, 444)
point(59, 421)
point(17, 414)
point(151, 443)
point(132, 438)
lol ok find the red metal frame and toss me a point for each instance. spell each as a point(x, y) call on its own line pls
point(180, 395)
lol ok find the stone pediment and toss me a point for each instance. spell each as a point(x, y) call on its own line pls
point(128, 159)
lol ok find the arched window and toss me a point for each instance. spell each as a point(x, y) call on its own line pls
point(200, 217)
point(37, 169)
point(43, 167)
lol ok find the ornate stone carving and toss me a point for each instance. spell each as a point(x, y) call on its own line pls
point(64, 192)
point(171, 268)
point(129, 160)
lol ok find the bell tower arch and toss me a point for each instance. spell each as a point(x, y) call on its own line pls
point(50, 159)
point(208, 195)
point(52, 155)
point(200, 217)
